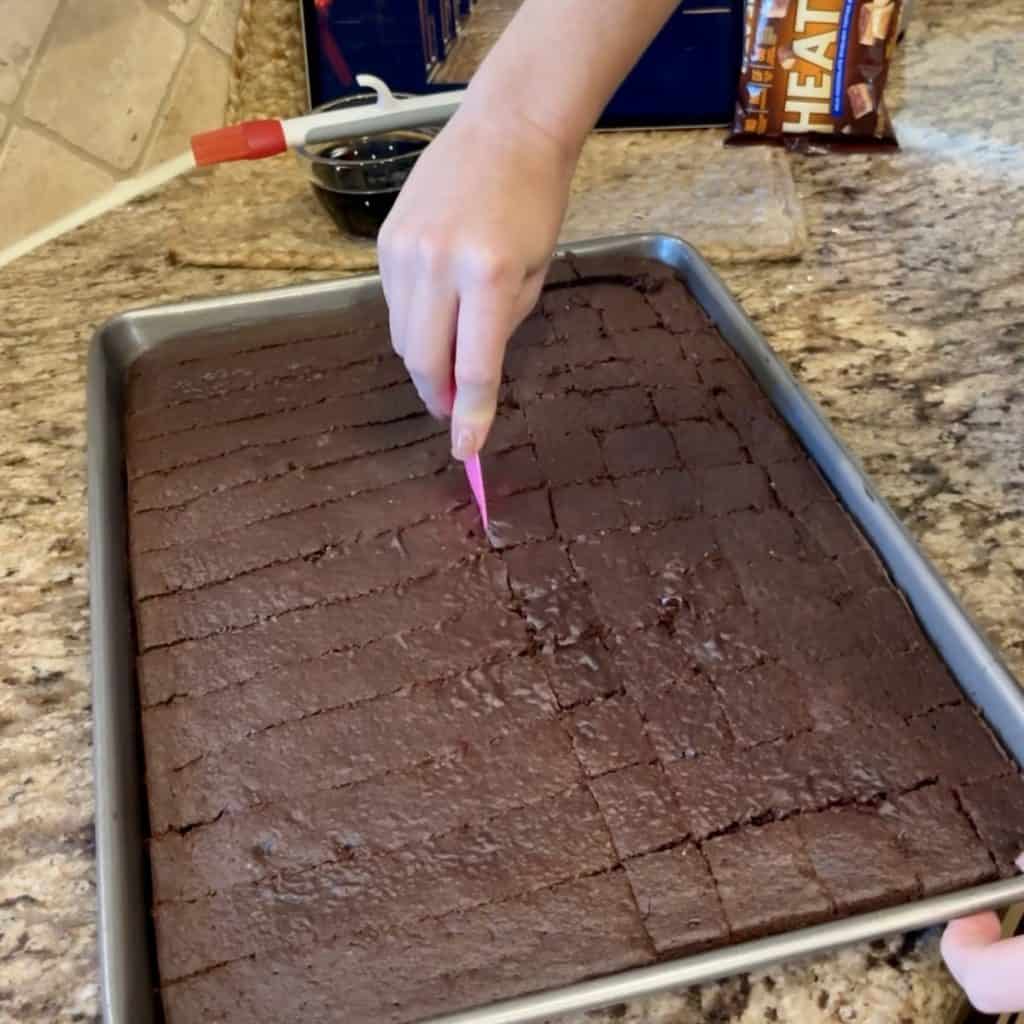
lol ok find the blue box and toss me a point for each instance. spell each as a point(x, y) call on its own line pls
point(688, 76)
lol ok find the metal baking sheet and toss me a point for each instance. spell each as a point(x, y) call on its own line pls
point(127, 954)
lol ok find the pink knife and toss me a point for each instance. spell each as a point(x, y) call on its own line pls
point(476, 484)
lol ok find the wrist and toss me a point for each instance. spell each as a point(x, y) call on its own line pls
point(503, 118)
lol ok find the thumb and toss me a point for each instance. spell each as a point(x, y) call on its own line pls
point(987, 967)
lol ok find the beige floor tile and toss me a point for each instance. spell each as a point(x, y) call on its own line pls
point(3, 125)
point(103, 76)
point(196, 105)
point(22, 26)
point(41, 181)
point(220, 23)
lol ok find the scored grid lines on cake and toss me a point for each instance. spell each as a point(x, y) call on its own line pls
point(361, 382)
point(173, 488)
point(309, 357)
point(354, 975)
point(220, 513)
point(195, 350)
point(293, 534)
point(471, 641)
point(324, 448)
point(233, 656)
point(692, 608)
point(163, 453)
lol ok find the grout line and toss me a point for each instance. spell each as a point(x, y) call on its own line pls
point(37, 60)
point(25, 123)
point(191, 32)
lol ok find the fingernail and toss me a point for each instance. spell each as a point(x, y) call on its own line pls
point(464, 444)
point(1020, 862)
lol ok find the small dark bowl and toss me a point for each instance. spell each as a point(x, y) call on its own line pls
point(357, 180)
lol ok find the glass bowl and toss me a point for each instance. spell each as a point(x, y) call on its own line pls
point(357, 179)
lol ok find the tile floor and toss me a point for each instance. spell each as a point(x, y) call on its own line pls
point(97, 91)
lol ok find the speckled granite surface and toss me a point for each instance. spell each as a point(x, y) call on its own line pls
point(905, 319)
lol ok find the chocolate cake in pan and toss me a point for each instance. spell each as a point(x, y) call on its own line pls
point(396, 767)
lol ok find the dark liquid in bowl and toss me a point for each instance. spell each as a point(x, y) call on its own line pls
point(355, 213)
point(359, 190)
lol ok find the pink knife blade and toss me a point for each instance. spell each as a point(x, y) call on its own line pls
point(476, 484)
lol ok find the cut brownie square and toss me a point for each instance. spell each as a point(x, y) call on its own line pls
point(680, 403)
point(654, 349)
point(734, 787)
point(722, 638)
point(751, 537)
point(961, 748)
point(762, 703)
point(574, 322)
point(883, 756)
point(784, 580)
point(581, 672)
point(609, 734)
point(705, 346)
point(683, 719)
point(554, 415)
point(911, 684)
point(769, 439)
point(657, 497)
point(831, 527)
point(562, 616)
point(727, 489)
point(622, 308)
point(864, 570)
point(587, 508)
point(650, 658)
point(816, 759)
point(638, 449)
point(639, 809)
point(736, 392)
point(798, 484)
point(808, 623)
point(882, 622)
point(996, 809)
point(944, 851)
point(569, 458)
point(537, 569)
point(678, 904)
point(842, 690)
point(855, 855)
point(623, 407)
point(677, 547)
point(623, 591)
point(704, 443)
point(680, 313)
point(518, 519)
point(781, 894)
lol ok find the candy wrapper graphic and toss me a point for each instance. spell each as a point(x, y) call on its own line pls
point(814, 73)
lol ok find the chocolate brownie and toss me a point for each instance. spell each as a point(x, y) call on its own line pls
point(672, 700)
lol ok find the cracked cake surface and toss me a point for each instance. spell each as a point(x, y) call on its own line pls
point(397, 768)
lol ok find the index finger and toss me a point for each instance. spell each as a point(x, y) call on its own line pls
point(485, 322)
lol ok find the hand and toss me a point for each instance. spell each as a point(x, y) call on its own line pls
point(463, 256)
point(989, 968)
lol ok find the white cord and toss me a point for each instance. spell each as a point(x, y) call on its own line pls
point(123, 192)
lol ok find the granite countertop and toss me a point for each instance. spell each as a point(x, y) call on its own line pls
point(905, 319)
